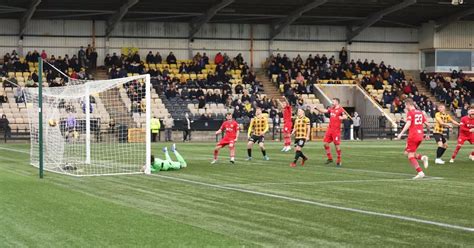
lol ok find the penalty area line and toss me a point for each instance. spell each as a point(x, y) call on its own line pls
point(320, 204)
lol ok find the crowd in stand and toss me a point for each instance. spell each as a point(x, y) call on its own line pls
point(58, 70)
point(212, 87)
point(298, 76)
point(455, 91)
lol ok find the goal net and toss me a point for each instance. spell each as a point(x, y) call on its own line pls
point(92, 128)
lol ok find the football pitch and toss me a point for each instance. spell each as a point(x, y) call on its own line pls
point(370, 201)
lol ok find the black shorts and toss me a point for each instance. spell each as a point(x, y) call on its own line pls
point(439, 137)
point(257, 139)
point(300, 142)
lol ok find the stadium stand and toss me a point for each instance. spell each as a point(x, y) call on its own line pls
point(387, 85)
point(23, 72)
point(454, 90)
point(203, 88)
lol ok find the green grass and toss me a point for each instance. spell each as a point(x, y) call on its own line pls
point(242, 205)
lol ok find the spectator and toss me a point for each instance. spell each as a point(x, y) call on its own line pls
point(150, 58)
point(44, 55)
point(19, 98)
point(81, 55)
point(4, 98)
point(202, 102)
point(464, 109)
point(158, 58)
point(218, 59)
point(346, 123)
point(5, 126)
point(401, 123)
point(356, 121)
point(93, 58)
point(171, 59)
point(186, 128)
point(168, 123)
point(108, 61)
point(155, 128)
point(343, 55)
point(112, 126)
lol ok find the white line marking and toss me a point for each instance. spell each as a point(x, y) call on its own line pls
point(14, 150)
point(392, 216)
point(335, 181)
point(320, 166)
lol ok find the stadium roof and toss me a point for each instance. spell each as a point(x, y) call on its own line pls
point(279, 13)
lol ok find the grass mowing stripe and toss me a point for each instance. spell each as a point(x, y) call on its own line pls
point(15, 150)
point(335, 181)
point(393, 216)
point(319, 166)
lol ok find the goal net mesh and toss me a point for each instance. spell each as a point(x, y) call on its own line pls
point(92, 128)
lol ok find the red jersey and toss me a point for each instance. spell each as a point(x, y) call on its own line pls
point(334, 118)
point(230, 127)
point(287, 115)
point(465, 125)
point(417, 119)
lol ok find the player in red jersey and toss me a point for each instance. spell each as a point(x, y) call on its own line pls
point(288, 125)
point(231, 128)
point(466, 133)
point(415, 123)
point(333, 133)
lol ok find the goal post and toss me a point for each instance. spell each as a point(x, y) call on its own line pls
point(92, 128)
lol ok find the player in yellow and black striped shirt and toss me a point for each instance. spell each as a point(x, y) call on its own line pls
point(301, 130)
point(256, 133)
point(443, 120)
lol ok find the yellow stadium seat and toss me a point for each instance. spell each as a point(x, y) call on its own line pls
point(193, 76)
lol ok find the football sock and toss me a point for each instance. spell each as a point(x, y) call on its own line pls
point(302, 155)
point(297, 156)
point(264, 152)
point(249, 152)
point(216, 153)
point(455, 153)
point(328, 151)
point(167, 156)
point(440, 152)
point(472, 153)
point(338, 155)
point(232, 152)
point(287, 139)
point(180, 158)
point(418, 156)
point(414, 164)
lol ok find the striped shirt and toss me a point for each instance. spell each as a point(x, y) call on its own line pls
point(301, 127)
point(445, 118)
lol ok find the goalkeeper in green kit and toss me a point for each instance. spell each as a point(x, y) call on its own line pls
point(167, 164)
